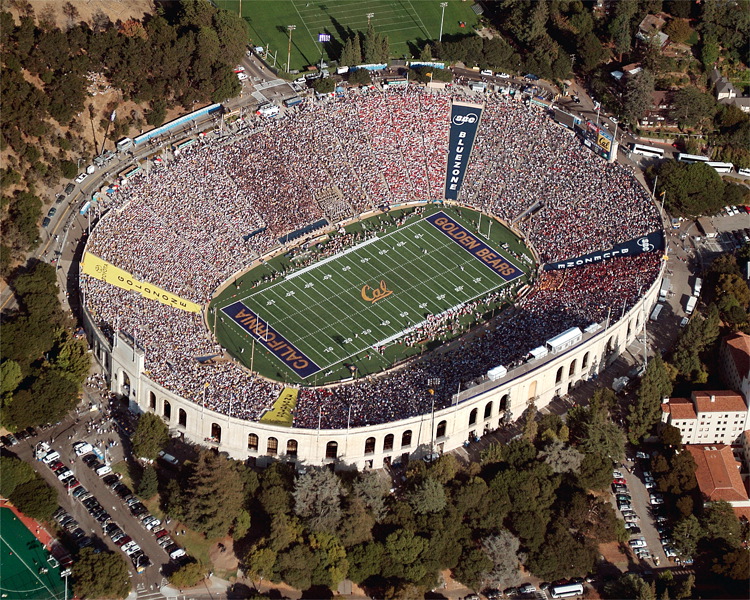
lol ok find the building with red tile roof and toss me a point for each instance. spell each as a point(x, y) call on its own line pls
point(708, 417)
point(718, 474)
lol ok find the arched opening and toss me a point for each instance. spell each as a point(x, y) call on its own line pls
point(125, 384)
point(532, 391)
point(252, 442)
point(291, 448)
point(572, 369)
point(473, 416)
point(332, 449)
point(167, 412)
point(388, 443)
point(609, 346)
point(406, 439)
point(441, 429)
point(637, 323)
point(585, 361)
point(152, 400)
point(558, 377)
point(504, 402)
point(630, 328)
point(272, 447)
point(369, 445)
point(216, 432)
point(182, 417)
point(488, 410)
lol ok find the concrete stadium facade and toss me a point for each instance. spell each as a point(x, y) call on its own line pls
point(474, 411)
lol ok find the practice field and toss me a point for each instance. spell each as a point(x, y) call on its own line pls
point(407, 23)
point(25, 572)
point(335, 317)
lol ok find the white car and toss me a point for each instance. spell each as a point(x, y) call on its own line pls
point(637, 543)
point(81, 177)
point(242, 76)
point(616, 475)
point(486, 72)
point(630, 518)
point(650, 484)
point(503, 76)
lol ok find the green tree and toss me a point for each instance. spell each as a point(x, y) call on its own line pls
point(720, 523)
point(35, 498)
point(678, 30)
point(317, 498)
point(709, 52)
point(690, 190)
point(14, 473)
point(686, 533)
point(645, 413)
point(214, 495)
point(562, 553)
point(691, 107)
point(365, 560)
point(259, 563)
point(241, 524)
point(188, 575)
point(733, 564)
point(10, 376)
point(638, 95)
point(151, 435)
point(102, 575)
point(562, 458)
point(591, 52)
point(149, 483)
point(324, 86)
point(296, 566)
point(631, 586)
point(669, 435)
point(427, 497)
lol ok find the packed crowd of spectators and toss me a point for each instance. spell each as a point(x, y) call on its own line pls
point(186, 228)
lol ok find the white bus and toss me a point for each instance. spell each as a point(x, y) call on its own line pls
point(656, 312)
point(646, 150)
point(691, 158)
point(721, 167)
point(567, 591)
point(745, 172)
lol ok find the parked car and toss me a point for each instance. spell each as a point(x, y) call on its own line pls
point(620, 481)
point(637, 543)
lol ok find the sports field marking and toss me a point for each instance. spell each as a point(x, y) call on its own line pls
point(363, 325)
point(36, 575)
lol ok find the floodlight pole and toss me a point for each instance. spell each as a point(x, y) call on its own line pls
point(369, 16)
point(442, 16)
point(289, 50)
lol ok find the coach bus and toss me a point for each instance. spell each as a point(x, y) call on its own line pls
point(567, 591)
point(721, 167)
point(691, 158)
point(130, 172)
point(182, 144)
point(646, 150)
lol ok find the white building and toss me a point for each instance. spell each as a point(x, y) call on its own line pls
point(708, 417)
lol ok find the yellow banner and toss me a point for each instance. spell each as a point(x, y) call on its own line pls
point(107, 272)
point(281, 413)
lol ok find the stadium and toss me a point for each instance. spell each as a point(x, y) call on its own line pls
point(370, 278)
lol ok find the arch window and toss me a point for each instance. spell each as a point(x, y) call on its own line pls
point(388, 443)
point(473, 417)
point(441, 429)
point(504, 402)
point(488, 410)
point(167, 412)
point(558, 377)
point(585, 361)
point(291, 448)
point(406, 439)
point(216, 432)
point(272, 447)
point(152, 400)
point(182, 417)
point(369, 445)
point(572, 370)
point(252, 442)
point(332, 449)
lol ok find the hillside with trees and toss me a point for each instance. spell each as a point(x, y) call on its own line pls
point(182, 56)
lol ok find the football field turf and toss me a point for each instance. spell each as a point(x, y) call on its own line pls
point(342, 309)
point(25, 572)
point(402, 21)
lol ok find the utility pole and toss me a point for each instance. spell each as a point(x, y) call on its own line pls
point(442, 16)
point(369, 16)
point(289, 50)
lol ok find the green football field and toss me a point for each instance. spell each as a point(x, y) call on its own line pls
point(407, 23)
point(25, 572)
point(339, 311)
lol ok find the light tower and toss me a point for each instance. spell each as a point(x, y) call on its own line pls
point(442, 16)
point(289, 50)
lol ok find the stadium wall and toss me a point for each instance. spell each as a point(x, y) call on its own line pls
point(475, 410)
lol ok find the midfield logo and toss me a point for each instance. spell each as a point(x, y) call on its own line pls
point(378, 293)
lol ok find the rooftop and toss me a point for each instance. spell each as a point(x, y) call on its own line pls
point(719, 401)
point(679, 408)
point(739, 350)
point(718, 473)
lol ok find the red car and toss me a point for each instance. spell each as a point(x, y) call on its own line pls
point(620, 481)
point(123, 541)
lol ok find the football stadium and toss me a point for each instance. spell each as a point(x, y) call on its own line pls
point(374, 276)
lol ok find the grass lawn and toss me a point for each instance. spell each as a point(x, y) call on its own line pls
point(123, 469)
point(408, 24)
point(349, 313)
